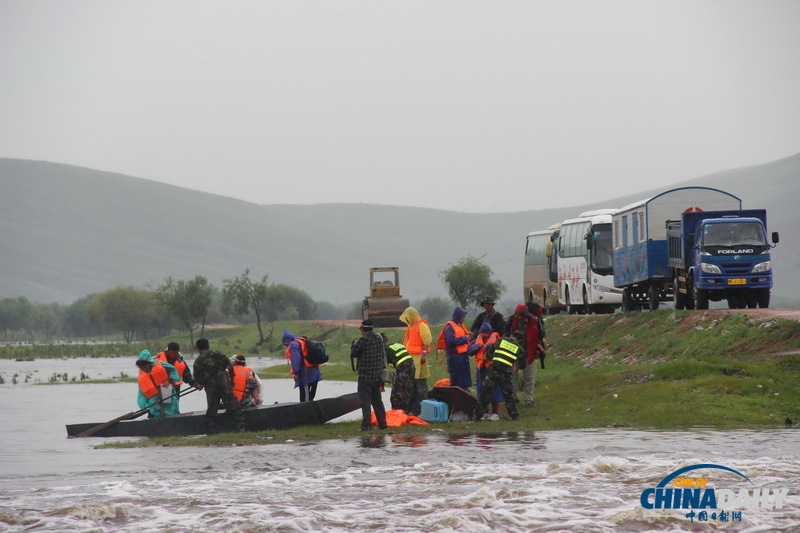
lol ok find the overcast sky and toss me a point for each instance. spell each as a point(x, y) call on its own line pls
point(466, 105)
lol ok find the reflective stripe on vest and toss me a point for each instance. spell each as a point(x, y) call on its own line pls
point(240, 375)
point(506, 352)
point(400, 353)
point(150, 382)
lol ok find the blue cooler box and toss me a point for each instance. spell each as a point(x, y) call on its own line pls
point(434, 411)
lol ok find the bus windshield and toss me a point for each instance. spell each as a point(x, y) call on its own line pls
point(601, 248)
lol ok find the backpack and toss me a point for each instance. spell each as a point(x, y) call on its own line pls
point(317, 354)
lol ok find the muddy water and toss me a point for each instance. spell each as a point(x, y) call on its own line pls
point(586, 481)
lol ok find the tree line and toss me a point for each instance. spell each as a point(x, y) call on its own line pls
point(189, 305)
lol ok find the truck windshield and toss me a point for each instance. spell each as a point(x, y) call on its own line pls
point(733, 234)
point(601, 249)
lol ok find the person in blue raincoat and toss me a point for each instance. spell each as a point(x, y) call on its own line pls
point(156, 380)
point(306, 375)
point(457, 339)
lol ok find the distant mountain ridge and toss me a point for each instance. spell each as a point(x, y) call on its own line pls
point(69, 231)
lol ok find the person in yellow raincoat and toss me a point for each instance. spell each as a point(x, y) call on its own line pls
point(418, 343)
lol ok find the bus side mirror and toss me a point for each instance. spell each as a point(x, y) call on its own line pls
point(589, 241)
point(548, 249)
point(775, 238)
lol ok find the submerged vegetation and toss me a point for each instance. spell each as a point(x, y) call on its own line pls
point(663, 369)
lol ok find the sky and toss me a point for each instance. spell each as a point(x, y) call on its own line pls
point(469, 106)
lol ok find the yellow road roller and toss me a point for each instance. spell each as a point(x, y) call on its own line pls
point(385, 303)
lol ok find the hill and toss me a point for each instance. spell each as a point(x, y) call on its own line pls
point(71, 231)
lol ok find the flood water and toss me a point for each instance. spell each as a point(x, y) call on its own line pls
point(584, 481)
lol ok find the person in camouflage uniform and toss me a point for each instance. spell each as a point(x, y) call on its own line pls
point(403, 386)
point(504, 355)
point(213, 372)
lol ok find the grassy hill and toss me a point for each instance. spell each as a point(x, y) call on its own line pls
point(71, 231)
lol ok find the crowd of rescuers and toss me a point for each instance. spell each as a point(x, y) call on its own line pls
point(227, 381)
point(499, 347)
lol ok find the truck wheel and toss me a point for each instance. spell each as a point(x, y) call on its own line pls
point(733, 302)
point(677, 296)
point(699, 296)
point(653, 297)
point(627, 301)
point(763, 298)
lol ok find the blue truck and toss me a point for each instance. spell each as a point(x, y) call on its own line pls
point(671, 247)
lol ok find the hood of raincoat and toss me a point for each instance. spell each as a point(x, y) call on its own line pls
point(522, 310)
point(288, 338)
point(410, 316)
point(458, 314)
point(486, 328)
point(145, 355)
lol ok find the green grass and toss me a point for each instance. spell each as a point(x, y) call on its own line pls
point(663, 369)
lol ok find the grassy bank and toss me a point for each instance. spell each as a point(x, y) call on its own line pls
point(663, 370)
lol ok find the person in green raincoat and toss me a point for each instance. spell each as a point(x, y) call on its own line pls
point(156, 380)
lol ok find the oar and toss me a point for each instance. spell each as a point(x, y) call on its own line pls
point(130, 416)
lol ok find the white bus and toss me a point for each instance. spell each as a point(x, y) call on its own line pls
point(540, 273)
point(585, 274)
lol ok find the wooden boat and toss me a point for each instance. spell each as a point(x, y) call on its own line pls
point(276, 416)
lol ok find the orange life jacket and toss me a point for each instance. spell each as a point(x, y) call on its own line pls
point(459, 330)
point(303, 352)
point(480, 362)
point(413, 340)
point(150, 382)
point(180, 366)
point(240, 375)
point(444, 382)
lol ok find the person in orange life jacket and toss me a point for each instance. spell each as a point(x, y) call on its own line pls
point(173, 356)
point(156, 381)
point(503, 355)
point(486, 337)
point(370, 352)
point(306, 375)
point(457, 338)
point(522, 320)
point(418, 341)
point(494, 318)
point(246, 385)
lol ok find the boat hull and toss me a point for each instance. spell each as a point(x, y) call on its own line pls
point(277, 416)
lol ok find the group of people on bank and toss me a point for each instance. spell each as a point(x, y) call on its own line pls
point(499, 347)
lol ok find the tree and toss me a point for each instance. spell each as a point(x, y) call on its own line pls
point(189, 301)
point(469, 281)
point(125, 309)
point(241, 294)
point(435, 310)
point(289, 303)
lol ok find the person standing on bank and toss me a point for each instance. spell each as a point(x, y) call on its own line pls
point(370, 353)
point(503, 355)
point(173, 356)
point(157, 383)
point(403, 386)
point(456, 339)
point(214, 372)
point(418, 341)
point(485, 338)
point(488, 315)
point(306, 375)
